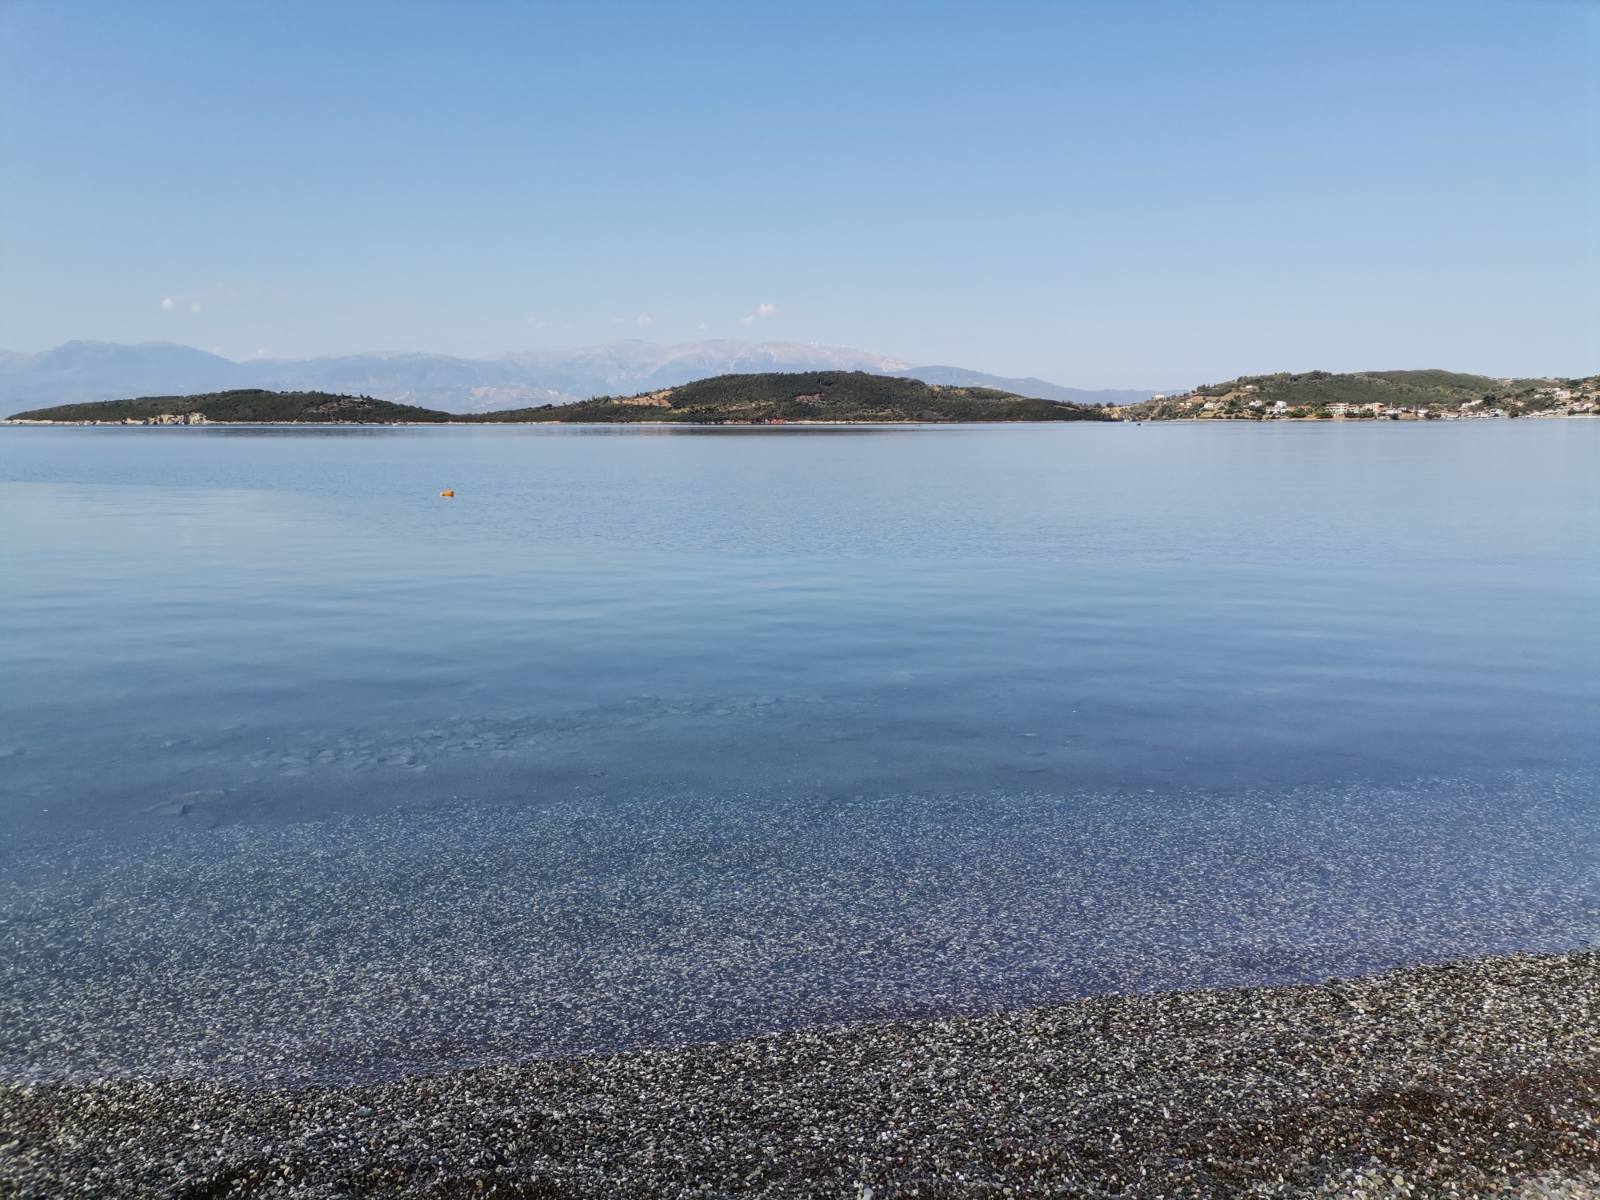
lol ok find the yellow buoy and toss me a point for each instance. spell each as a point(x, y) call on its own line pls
point(448, 493)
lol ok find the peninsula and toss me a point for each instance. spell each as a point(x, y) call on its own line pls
point(845, 397)
point(1371, 395)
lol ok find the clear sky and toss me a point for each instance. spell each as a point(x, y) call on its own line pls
point(1153, 194)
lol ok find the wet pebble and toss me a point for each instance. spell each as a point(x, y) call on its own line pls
point(1480, 1078)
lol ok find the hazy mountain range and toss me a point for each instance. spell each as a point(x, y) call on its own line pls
point(76, 372)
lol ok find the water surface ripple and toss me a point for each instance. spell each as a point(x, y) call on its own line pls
point(665, 735)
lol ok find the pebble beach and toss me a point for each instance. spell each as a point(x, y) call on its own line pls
point(1474, 1078)
point(1007, 995)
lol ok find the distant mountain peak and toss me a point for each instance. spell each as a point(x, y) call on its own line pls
point(83, 370)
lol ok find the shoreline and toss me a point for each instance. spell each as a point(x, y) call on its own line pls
point(788, 424)
point(1479, 1077)
point(536, 424)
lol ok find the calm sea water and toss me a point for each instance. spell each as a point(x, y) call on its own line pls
point(230, 642)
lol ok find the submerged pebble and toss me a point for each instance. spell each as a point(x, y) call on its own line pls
point(458, 933)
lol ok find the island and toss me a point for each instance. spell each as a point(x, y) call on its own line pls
point(773, 398)
point(1371, 395)
point(860, 397)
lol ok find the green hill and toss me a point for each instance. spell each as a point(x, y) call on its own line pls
point(808, 396)
point(1399, 393)
point(775, 397)
point(245, 405)
point(857, 397)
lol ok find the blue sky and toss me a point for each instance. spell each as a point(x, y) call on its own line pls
point(1101, 194)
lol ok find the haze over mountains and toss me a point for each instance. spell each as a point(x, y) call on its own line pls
point(82, 371)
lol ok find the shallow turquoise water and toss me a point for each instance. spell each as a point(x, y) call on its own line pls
point(662, 734)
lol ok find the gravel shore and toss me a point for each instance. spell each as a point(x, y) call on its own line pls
point(1480, 1077)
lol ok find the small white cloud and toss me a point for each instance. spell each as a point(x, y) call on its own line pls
point(194, 307)
point(536, 322)
point(644, 320)
point(703, 326)
point(761, 313)
point(261, 352)
point(168, 302)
